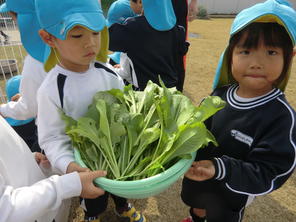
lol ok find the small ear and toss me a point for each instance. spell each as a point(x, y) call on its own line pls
point(294, 51)
point(47, 38)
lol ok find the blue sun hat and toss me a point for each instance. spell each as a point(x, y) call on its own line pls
point(28, 26)
point(160, 14)
point(119, 11)
point(278, 11)
point(58, 17)
point(12, 88)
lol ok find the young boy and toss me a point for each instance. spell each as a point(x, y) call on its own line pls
point(152, 43)
point(77, 39)
point(26, 195)
point(256, 130)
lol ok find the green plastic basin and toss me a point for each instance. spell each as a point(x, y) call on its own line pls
point(144, 188)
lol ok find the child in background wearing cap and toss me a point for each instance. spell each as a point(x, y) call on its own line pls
point(25, 128)
point(185, 10)
point(76, 55)
point(119, 12)
point(256, 131)
point(152, 44)
point(22, 11)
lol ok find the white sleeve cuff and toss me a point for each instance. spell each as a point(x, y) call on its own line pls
point(63, 163)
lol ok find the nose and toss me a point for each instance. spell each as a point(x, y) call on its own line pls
point(90, 41)
point(257, 61)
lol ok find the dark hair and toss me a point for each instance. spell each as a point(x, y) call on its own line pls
point(273, 35)
point(135, 1)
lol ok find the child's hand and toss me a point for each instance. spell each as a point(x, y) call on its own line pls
point(201, 170)
point(192, 10)
point(16, 97)
point(75, 167)
point(89, 190)
point(42, 160)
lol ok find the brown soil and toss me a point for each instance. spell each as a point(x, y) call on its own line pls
point(279, 206)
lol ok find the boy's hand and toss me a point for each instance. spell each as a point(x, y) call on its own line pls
point(42, 160)
point(75, 167)
point(89, 190)
point(201, 170)
point(16, 97)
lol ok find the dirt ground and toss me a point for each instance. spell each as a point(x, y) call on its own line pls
point(208, 39)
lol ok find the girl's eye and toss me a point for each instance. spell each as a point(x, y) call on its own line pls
point(76, 36)
point(272, 52)
point(245, 52)
point(96, 33)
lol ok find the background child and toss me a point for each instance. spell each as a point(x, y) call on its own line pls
point(23, 11)
point(76, 56)
point(256, 130)
point(153, 43)
point(118, 12)
point(25, 128)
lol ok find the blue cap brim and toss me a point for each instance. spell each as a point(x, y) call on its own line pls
point(160, 14)
point(3, 8)
point(115, 57)
point(29, 27)
point(15, 122)
point(92, 21)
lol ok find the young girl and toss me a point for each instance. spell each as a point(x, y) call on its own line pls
point(256, 130)
point(77, 39)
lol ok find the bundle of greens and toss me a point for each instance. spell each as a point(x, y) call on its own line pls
point(138, 134)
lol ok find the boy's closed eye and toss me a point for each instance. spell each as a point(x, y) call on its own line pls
point(77, 36)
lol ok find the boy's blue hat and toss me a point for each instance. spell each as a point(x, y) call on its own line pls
point(58, 17)
point(119, 11)
point(28, 26)
point(160, 14)
point(278, 11)
point(12, 88)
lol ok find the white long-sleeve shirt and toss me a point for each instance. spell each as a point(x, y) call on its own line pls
point(78, 91)
point(25, 194)
point(33, 75)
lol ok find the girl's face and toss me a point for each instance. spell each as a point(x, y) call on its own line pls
point(79, 49)
point(256, 69)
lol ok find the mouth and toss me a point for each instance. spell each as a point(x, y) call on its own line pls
point(90, 54)
point(256, 76)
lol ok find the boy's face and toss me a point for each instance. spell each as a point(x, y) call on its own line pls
point(79, 49)
point(256, 69)
point(136, 6)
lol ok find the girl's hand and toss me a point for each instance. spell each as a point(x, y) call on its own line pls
point(201, 170)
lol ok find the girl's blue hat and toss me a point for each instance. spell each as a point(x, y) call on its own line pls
point(28, 26)
point(12, 88)
point(58, 17)
point(160, 14)
point(277, 11)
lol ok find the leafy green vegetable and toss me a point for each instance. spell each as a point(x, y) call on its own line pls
point(137, 134)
